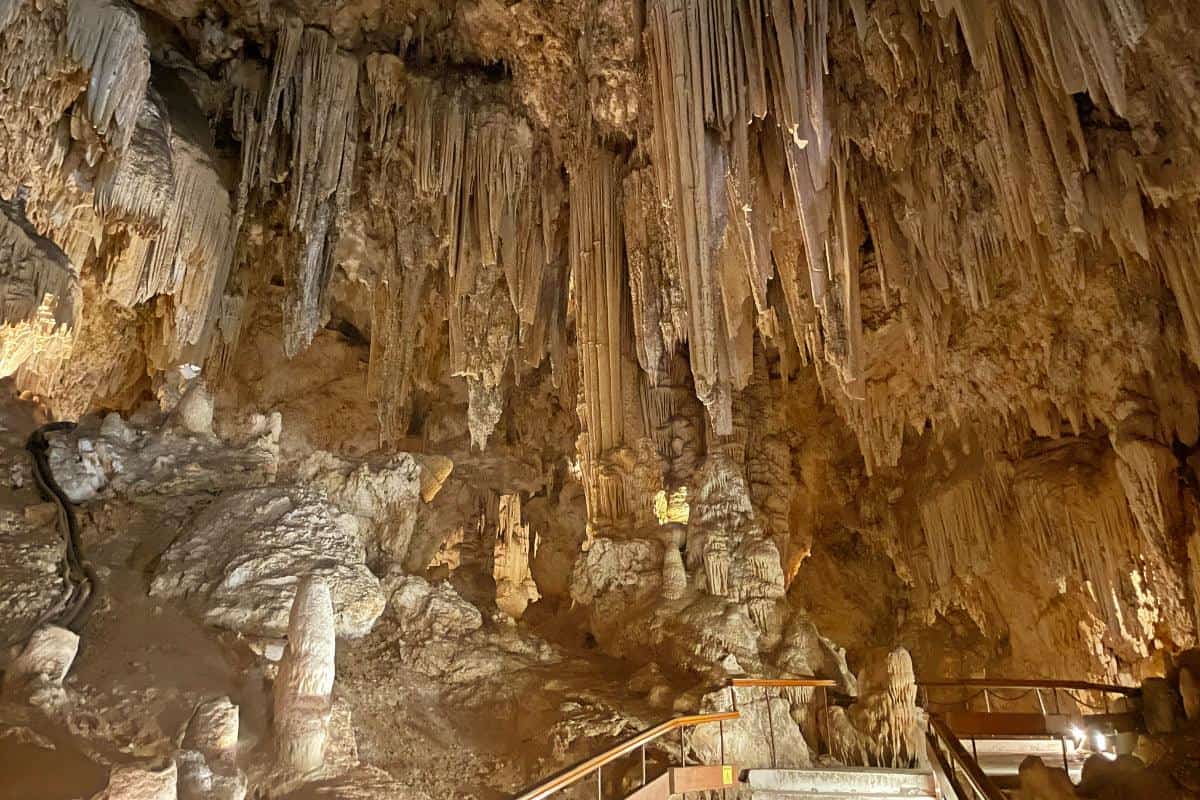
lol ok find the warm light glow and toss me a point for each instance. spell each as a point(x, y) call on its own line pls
point(673, 507)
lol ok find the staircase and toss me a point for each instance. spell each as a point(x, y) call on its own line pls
point(840, 783)
point(998, 741)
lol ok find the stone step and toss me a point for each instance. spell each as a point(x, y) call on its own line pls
point(840, 783)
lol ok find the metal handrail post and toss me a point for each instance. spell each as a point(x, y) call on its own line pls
point(771, 728)
point(829, 723)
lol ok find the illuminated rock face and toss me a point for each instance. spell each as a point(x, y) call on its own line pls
point(754, 331)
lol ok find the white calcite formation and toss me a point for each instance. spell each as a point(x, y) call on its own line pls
point(207, 761)
point(515, 546)
point(302, 688)
point(37, 673)
point(113, 457)
point(239, 563)
point(884, 727)
point(384, 496)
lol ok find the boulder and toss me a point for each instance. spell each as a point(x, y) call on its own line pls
point(238, 563)
point(1160, 705)
point(428, 611)
point(131, 782)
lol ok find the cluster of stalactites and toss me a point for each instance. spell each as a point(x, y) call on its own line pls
point(1067, 527)
point(303, 120)
point(106, 38)
point(601, 329)
point(169, 189)
point(1017, 179)
point(738, 96)
point(492, 202)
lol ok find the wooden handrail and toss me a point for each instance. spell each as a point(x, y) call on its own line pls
point(587, 767)
point(781, 682)
point(1036, 683)
point(984, 786)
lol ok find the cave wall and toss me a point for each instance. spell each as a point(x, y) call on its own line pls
point(898, 292)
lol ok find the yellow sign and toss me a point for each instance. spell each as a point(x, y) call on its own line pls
point(727, 776)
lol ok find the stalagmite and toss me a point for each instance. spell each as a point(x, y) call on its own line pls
point(207, 763)
point(674, 577)
point(305, 680)
point(515, 546)
point(883, 728)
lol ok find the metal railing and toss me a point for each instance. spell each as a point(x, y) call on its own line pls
point(1053, 722)
point(995, 687)
point(595, 765)
point(960, 769)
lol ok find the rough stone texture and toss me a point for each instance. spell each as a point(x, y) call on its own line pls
point(427, 611)
point(44, 661)
point(238, 563)
point(110, 456)
point(141, 783)
point(31, 572)
point(1160, 706)
point(362, 783)
point(383, 496)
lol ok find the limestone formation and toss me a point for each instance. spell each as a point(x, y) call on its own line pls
point(515, 546)
point(305, 680)
point(207, 763)
point(739, 336)
point(674, 577)
point(240, 562)
point(109, 456)
point(39, 670)
point(141, 783)
point(884, 726)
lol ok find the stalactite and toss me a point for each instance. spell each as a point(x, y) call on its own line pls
point(190, 259)
point(959, 524)
point(106, 37)
point(488, 204)
point(138, 188)
point(659, 310)
point(308, 109)
point(602, 327)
